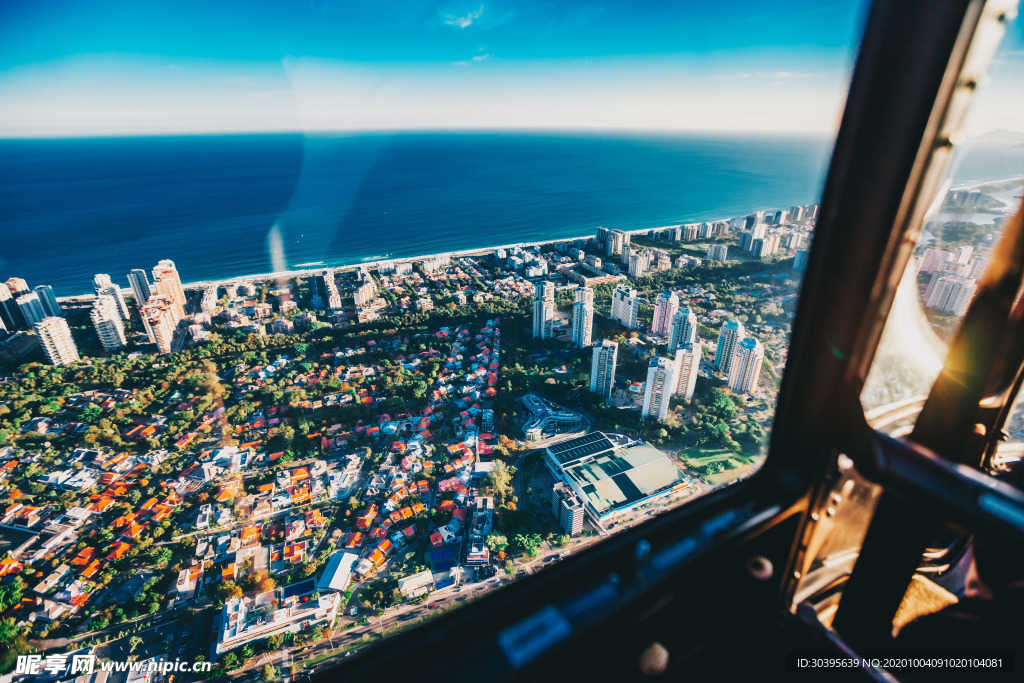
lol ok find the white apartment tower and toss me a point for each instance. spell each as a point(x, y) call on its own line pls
point(683, 329)
point(582, 317)
point(687, 359)
point(625, 306)
point(746, 366)
point(106, 318)
point(665, 308)
point(602, 368)
point(114, 292)
point(160, 316)
point(544, 310)
point(55, 338)
point(167, 283)
point(661, 385)
point(728, 338)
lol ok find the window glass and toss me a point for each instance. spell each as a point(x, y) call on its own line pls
point(320, 320)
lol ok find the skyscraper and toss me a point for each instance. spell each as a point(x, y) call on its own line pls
point(160, 316)
point(55, 338)
point(9, 311)
point(582, 317)
point(139, 282)
point(625, 306)
point(106, 318)
point(718, 252)
point(728, 337)
point(325, 291)
point(602, 367)
point(114, 292)
point(687, 359)
point(544, 310)
point(16, 286)
point(167, 283)
point(31, 308)
point(48, 300)
point(683, 329)
point(99, 281)
point(746, 366)
point(665, 308)
point(661, 385)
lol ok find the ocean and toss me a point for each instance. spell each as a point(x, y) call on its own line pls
point(71, 208)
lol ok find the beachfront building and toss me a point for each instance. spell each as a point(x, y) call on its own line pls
point(48, 300)
point(139, 282)
point(766, 246)
point(625, 306)
point(616, 240)
point(746, 366)
point(717, 252)
point(55, 338)
point(113, 292)
point(544, 310)
point(687, 358)
point(582, 317)
point(106, 319)
point(160, 317)
point(31, 308)
point(728, 338)
point(665, 308)
point(10, 314)
point(325, 291)
point(167, 283)
point(16, 286)
point(661, 385)
point(683, 329)
point(602, 367)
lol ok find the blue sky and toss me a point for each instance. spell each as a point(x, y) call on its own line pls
point(154, 66)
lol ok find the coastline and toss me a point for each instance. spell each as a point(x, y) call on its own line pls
point(347, 268)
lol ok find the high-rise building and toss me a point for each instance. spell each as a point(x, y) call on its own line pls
point(106, 318)
point(687, 359)
point(683, 329)
point(568, 508)
point(602, 237)
point(114, 292)
point(661, 385)
point(796, 214)
point(766, 246)
point(9, 311)
point(139, 282)
point(793, 240)
point(932, 259)
point(582, 317)
point(167, 283)
point(55, 338)
point(718, 252)
point(963, 254)
point(48, 300)
point(616, 240)
point(602, 367)
point(160, 317)
point(977, 268)
point(100, 280)
point(325, 291)
point(800, 261)
point(17, 286)
point(639, 262)
point(665, 307)
point(746, 366)
point(625, 306)
point(758, 231)
point(544, 310)
point(208, 304)
point(728, 337)
point(690, 233)
point(31, 308)
point(950, 293)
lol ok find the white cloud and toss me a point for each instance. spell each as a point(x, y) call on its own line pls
point(480, 58)
point(466, 20)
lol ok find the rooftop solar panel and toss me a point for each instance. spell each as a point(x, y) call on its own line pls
point(575, 449)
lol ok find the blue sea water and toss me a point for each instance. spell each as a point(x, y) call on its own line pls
point(73, 208)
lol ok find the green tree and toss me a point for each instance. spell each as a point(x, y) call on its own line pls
point(268, 672)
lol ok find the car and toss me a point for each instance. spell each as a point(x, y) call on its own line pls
point(354, 611)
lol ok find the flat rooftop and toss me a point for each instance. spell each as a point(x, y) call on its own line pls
point(611, 477)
